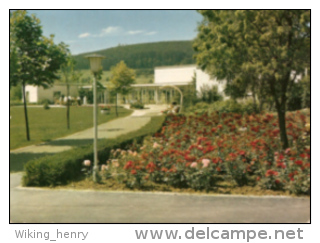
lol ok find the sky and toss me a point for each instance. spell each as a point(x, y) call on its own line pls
point(91, 30)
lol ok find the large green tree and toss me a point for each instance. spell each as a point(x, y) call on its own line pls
point(35, 59)
point(256, 50)
point(122, 77)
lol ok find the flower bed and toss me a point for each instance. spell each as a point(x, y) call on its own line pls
point(204, 151)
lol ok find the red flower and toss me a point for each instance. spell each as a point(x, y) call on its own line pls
point(163, 169)
point(298, 162)
point(243, 153)
point(151, 166)
point(271, 173)
point(128, 165)
point(302, 156)
point(133, 172)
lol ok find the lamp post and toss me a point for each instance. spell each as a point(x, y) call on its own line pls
point(95, 66)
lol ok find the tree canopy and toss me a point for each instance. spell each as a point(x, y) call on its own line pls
point(122, 77)
point(34, 58)
point(263, 50)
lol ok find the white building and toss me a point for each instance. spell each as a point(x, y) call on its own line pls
point(35, 94)
point(162, 90)
point(168, 81)
point(185, 74)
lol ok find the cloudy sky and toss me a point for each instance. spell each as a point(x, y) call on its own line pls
point(90, 30)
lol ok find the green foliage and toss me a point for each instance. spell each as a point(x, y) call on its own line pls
point(35, 58)
point(16, 93)
point(209, 94)
point(306, 95)
point(144, 56)
point(45, 103)
point(295, 97)
point(226, 106)
point(64, 167)
point(257, 51)
point(38, 58)
point(122, 77)
point(137, 105)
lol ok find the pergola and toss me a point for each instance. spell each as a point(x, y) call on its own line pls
point(158, 93)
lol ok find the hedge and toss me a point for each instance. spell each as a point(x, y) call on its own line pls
point(61, 168)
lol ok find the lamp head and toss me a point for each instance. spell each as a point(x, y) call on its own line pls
point(95, 62)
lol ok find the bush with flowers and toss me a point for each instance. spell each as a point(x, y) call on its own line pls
point(201, 151)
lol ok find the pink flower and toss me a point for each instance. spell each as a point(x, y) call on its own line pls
point(205, 162)
point(288, 150)
point(194, 165)
point(155, 145)
point(87, 162)
point(104, 167)
point(115, 163)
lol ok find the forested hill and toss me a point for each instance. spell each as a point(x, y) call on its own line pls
point(143, 56)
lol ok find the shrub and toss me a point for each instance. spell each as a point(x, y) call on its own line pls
point(137, 105)
point(199, 107)
point(209, 94)
point(46, 105)
point(227, 106)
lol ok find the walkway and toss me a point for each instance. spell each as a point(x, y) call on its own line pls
point(111, 129)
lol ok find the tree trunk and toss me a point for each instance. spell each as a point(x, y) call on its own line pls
point(68, 107)
point(25, 110)
point(117, 104)
point(282, 124)
point(281, 110)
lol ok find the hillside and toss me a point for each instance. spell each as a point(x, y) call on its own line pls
point(143, 56)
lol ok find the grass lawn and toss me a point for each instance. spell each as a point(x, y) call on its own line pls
point(45, 125)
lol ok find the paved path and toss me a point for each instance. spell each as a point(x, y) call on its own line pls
point(111, 129)
point(34, 205)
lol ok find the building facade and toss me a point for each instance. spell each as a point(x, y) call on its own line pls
point(36, 94)
point(169, 83)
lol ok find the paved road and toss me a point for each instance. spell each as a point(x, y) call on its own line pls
point(34, 205)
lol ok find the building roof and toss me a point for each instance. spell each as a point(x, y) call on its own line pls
point(176, 66)
point(161, 84)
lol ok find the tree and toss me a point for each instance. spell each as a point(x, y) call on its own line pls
point(69, 74)
point(264, 49)
point(36, 59)
point(122, 77)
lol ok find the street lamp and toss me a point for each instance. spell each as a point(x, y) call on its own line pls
point(95, 66)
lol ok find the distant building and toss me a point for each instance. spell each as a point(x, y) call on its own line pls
point(161, 91)
point(35, 94)
point(166, 81)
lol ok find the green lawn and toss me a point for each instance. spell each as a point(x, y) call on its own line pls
point(46, 125)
